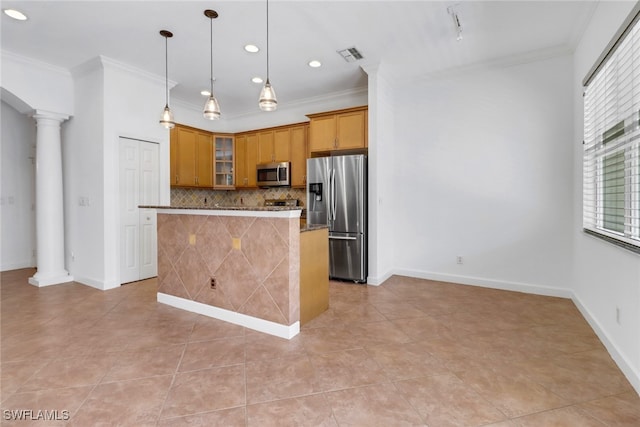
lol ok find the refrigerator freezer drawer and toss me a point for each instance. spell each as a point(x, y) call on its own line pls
point(347, 257)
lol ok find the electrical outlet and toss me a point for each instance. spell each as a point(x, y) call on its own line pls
point(618, 315)
point(458, 259)
point(213, 283)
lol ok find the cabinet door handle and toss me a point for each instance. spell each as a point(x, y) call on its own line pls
point(177, 179)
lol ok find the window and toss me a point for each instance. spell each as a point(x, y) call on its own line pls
point(611, 161)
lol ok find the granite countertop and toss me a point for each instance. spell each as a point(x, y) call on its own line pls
point(230, 208)
point(312, 227)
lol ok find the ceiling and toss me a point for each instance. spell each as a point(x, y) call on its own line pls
point(410, 38)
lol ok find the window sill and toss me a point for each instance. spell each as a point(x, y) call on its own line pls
point(619, 243)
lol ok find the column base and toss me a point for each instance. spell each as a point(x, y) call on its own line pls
point(51, 279)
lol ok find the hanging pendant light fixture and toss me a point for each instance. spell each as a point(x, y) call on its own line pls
point(268, 101)
point(166, 119)
point(211, 107)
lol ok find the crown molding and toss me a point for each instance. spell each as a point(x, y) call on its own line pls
point(30, 62)
point(105, 62)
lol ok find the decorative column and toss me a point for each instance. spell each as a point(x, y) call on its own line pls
point(49, 201)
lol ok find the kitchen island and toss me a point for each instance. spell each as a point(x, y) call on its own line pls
point(237, 264)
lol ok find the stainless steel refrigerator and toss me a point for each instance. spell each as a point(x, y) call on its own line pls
point(337, 197)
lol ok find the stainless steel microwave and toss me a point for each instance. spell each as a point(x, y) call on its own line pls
point(274, 174)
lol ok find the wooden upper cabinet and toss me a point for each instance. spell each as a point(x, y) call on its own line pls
point(191, 157)
point(246, 158)
point(204, 159)
point(265, 146)
point(281, 145)
point(185, 160)
point(298, 148)
point(338, 130)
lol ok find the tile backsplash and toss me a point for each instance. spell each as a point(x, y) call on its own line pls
point(205, 197)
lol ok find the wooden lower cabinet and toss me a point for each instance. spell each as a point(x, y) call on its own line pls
point(314, 273)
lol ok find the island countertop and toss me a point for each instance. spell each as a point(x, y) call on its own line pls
point(260, 211)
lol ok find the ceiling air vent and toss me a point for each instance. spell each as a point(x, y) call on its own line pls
point(351, 54)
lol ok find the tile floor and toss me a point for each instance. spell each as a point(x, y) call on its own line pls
point(409, 352)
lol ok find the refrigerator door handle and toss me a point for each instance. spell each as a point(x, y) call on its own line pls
point(333, 195)
point(342, 238)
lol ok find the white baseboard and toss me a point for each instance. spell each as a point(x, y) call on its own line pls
point(379, 280)
point(488, 283)
point(17, 265)
point(260, 325)
point(623, 363)
point(97, 284)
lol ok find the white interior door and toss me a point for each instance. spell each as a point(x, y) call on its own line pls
point(139, 179)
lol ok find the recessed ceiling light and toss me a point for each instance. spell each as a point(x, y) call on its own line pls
point(251, 48)
point(315, 63)
point(15, 14)
point(257, 80)
point(205, 93)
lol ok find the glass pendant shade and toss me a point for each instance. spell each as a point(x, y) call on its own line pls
point(211, 108)
point(268, 100)
point(167, 118)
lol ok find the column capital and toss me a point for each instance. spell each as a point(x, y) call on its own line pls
point(44, 114)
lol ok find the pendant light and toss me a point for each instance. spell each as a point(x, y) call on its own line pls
point(211, 107)
point(166, 119)
point(268, 101)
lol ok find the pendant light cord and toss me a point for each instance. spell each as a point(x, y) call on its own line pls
point(267, 40)
point(166, 69)
point(211, 44)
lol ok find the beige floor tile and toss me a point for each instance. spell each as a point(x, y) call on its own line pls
point(282, 378)
point(61, 405)
point(622, 410)
point(452, 354)
point(511, 393)
point(444, 400)
point(145, 363)
point(209, 354)
point(563, 417)
point(262, 346)
point(235, 417)
point(345, 369)
point(376, 405)
point(311, 410)
point(325, 340)
point(406, 360)
point(71, 372)
point(135, 402)
point(206, 390)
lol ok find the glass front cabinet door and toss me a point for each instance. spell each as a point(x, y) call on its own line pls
point(223, 165)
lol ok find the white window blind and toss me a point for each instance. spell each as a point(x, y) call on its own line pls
point(611, 162)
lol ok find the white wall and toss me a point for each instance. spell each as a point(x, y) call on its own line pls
point(82, 154)
point(17, 197)
point(37, 85)
point(483, 171)
point(381, 177)
point(112, 100)
point(606, 277)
